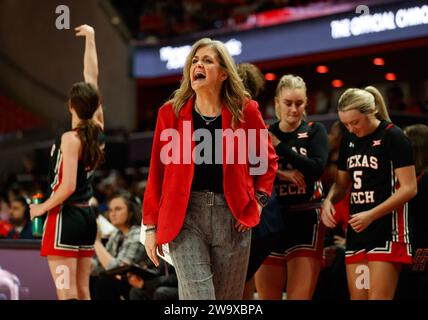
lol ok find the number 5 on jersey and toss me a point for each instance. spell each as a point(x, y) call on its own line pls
point(357, 179)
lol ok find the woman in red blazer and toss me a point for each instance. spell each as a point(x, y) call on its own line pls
point(212, 169)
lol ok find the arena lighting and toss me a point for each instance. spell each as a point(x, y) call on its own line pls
point(390, 76)
point(115, 20)
point(378, 62)
point(270, 76)
point(322, 69)
point(336, 83)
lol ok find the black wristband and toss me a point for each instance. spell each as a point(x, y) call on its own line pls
point(262, 198)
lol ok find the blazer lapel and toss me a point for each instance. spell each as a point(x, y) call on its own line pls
point(185, 129)
point(226, 123)
point(186, 111)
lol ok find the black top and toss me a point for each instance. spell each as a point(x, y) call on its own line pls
point(304, 149)
point(208, 172)
point(84, 179)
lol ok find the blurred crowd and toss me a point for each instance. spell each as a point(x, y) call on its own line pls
point(153, 21)
point(117, 203)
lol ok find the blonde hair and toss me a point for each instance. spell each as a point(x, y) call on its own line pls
point(418, 136)
point(367, 101)
point(289, 81)
point(233, 93)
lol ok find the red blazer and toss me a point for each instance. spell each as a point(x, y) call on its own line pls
point(168, 187)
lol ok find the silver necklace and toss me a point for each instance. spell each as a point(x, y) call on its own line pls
point(207, 121)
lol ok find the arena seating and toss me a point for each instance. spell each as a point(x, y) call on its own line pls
point(14, 118)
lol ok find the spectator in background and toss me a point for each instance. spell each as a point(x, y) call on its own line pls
point(20, 219)
point(395, 98)
point(122, 248)
point(108, 187)
point(28, 165)
point(413, 283)
point(4, 209)
point(139, 189)
point(15, 190)
point(5, 228)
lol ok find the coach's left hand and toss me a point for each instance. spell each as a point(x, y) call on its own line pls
point(243, 228)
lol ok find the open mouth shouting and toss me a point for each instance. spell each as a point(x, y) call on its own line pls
point(199, 76)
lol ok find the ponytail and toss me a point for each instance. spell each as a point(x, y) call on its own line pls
point(367, 101)
point(85, 100)
point(382, 111)
point(92, 152)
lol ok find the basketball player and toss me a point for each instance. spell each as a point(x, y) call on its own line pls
point(70, 227)
point(303, 150)
point(376, 163)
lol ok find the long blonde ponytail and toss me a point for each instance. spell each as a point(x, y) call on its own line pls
point(367, 101)
point(382, 111)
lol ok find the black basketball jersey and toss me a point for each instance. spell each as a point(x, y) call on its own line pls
point(304, 149)
point(370, 162)
point(84, 179)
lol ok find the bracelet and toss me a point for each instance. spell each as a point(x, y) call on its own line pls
point(152, 229)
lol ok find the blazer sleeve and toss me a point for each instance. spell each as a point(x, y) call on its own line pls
point(153, 192)
point(263, 148)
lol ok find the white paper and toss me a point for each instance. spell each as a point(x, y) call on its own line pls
point(165, 247)
point(105, 226)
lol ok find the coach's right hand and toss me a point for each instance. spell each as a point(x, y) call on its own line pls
point(151, 245)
